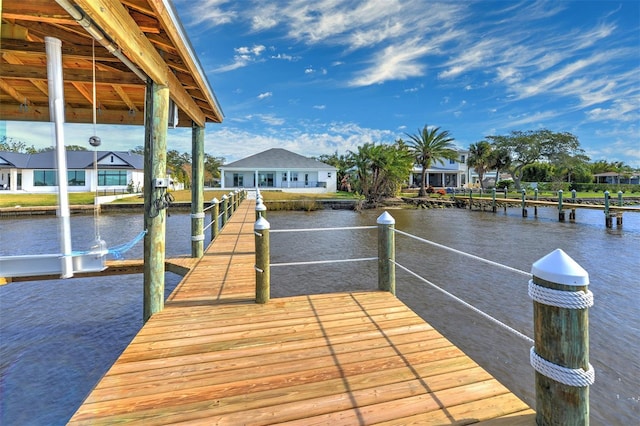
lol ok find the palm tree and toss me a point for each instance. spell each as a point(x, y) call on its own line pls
point(480, 159)
point(428, 147)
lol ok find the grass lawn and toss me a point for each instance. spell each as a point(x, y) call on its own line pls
point(86, 198)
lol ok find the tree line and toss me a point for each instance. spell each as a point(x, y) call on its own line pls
point(380, 170)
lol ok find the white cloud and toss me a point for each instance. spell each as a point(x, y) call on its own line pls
point(265, 95)
point(395, 62)
point(320, 107)
point(243, 56)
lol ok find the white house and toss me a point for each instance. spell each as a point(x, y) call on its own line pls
point(444, 174)
point(280, 169)
point(36, 173)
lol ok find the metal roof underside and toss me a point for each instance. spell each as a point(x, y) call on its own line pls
point(145, 33)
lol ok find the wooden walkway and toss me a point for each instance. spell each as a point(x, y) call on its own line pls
point(213, 356)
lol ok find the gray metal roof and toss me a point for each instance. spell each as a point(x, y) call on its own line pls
point(75, 159)
point(278, 158)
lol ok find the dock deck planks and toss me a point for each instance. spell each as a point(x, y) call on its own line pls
point(213, 356)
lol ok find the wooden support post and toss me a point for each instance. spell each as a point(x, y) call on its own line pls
point(225, 211)
point(261, 210)
point(197, 191)
point(535, 206)
point(470, 199)
point(232, 203)
point(493, 200)
point(504, 205)
point(155, 166)
point(386, 253)
point(608, 221)
point(263, 268)
point(619, 220)
point(572, 215)
point(561, 328)
point(560, 211)
point(524, 203)
point(215, 218)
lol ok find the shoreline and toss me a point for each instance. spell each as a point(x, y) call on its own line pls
point(293, 205)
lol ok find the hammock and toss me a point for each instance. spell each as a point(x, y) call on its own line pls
point(119, 250)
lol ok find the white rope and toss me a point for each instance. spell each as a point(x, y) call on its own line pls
point(199, 215)
point(576, 377)
point(318, 262)
point(207, 208)
point(208, 226)
point(323, 229)
point(258, 269)
point(560, 298)
point(197, 237)
point(490, 262)
point(473, 308)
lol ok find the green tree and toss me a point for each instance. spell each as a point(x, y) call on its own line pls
point(500, 160)
point(428, 147)
point(13, 145)
point(339, 161)
point(480, 159)
point(526, 148)
point(212, 167)
point(380, 170)
point(176, 163)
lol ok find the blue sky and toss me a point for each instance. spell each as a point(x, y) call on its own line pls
point(321, 76)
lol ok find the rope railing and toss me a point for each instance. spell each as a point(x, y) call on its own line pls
point(472, 256)
point(468, 305)
point(558, 289)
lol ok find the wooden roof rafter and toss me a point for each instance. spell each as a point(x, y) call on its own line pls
point(144, 31)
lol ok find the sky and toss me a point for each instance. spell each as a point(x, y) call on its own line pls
point(325, 76)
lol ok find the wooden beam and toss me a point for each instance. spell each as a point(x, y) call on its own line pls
point(9, 90)
point(72, 115)
point(27, 72)
point(174, 34)
point(114, 19)
point(125, 98)
point(69, 50)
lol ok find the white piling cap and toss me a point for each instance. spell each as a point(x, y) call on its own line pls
point(261, 224)
point(261, 207)
point(557, 267)
point(214, 201)
point(385, 219)
point(224, 197)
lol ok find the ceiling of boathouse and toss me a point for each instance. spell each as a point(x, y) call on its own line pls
point(145, 33)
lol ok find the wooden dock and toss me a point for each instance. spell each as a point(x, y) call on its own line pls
point(214, 356)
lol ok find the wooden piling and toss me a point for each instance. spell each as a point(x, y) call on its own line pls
point(386, 253)
point(155, 166)
point(225, 210)
point(608, 220)
point(197, 191)
point(263, 268)
point(561, 352)
point(560, 211)
point(215, 218)
point(524, 203)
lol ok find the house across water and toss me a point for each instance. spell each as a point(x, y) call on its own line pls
point(117, 171)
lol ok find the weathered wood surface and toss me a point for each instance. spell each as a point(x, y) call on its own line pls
point(214, 356)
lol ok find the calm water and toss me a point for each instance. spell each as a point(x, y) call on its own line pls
point(59, 337)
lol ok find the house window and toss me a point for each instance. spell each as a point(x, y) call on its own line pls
point(452, 161)
point(462, 159)
point(329, 174)
point(238, 179)
point(112, 177)
point(44, 178)
point(294, 177)
point(76, 177)
point(284, 177)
